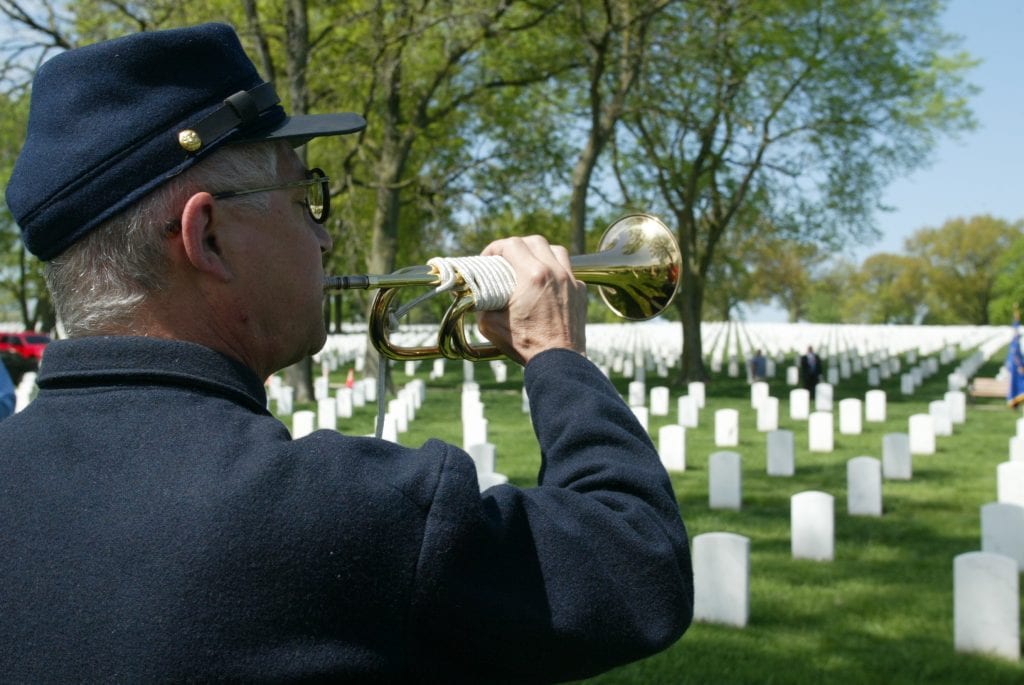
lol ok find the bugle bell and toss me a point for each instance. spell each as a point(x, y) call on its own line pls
point(636, 271)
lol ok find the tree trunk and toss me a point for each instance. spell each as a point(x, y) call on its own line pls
point(300, 374)
point(385, 233)
point(580, 186)
point(690, 303)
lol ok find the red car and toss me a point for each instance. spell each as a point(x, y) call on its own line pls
point(25, 347)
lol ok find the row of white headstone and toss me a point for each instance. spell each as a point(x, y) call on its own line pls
point(399, 413)
point(629, 347)
point(983, 580)
point(986, 583)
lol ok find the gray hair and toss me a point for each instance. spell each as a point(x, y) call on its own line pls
point(99, 282)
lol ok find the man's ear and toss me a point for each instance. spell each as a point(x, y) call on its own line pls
point(199, 236)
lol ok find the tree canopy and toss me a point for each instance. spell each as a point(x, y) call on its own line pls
point(749, 126)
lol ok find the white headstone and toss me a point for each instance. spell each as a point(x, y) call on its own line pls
point(727, 427)
point(1016, 448)
point(472, 407)
point(850, 416)
point(500, 369)
point(397, 410)
point(274, 384)
point(922, 434)
point(327, 413)
point(942, 417)
point(303, 422)
point(695, 389)
point(489, 480)
point(781, 453)
point(1002, 530)
point(819, 431)
point(369, 389)
point(864, 486)
point(823, 397)
point(389, 429)
point(343, 402)
point(483, 455)
point(642, 415)
point(907, 384)
point(758, 392)
point(986, 604)
point(689, 412)
point(725, 481)
point(897, 464)
point(874, 377)
point(418, 391)
point(768, 414)
point(637, 394)
point(792, 375)
point(957, 402)
point(1010, 482)
point(285, 400)
point(321, 388)
point(721, 578)
point(672, 447)
point(659, 401)
point(812, 525)
point(799, 404)
point(874, 406)
point(474, 431)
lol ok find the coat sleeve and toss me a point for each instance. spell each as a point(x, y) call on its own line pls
point(588, 570)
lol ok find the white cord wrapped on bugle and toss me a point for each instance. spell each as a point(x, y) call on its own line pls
point(491, 281)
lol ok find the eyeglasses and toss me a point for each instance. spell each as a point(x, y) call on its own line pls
point(318, 197)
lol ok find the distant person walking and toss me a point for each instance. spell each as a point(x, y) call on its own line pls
point(758, 367)
point(810, 370)
point(1015, 365)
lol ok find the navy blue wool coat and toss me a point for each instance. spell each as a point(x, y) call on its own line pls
point(158, 524)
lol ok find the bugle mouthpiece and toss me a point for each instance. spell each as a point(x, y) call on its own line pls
point(360, 282)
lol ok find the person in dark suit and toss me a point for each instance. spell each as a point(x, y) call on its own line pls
point(810, 370)
point(159, 524)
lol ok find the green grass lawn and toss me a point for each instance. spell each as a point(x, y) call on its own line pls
point(880, 612)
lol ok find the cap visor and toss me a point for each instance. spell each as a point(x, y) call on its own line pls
point(302, 128)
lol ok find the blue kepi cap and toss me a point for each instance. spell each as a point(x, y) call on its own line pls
point(110, 122)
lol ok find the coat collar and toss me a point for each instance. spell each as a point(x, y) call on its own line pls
point(127, 360)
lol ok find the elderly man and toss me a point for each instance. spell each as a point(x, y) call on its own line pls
point(160, 525)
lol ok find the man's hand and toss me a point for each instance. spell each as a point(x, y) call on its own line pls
point(548, 308)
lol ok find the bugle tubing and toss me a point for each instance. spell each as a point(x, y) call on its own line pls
point(636, 271)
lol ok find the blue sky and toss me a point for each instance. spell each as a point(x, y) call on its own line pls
point(981, 172)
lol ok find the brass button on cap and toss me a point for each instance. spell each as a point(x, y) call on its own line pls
point(189, 140)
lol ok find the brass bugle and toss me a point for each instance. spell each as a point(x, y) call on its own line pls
point(636, 271)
